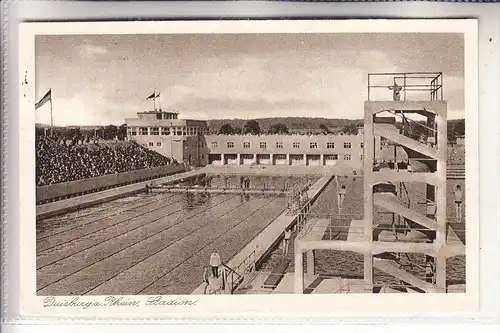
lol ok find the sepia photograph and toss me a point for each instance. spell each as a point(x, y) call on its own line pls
point(251, 163)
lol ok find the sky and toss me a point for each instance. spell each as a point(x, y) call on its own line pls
point(103, 79)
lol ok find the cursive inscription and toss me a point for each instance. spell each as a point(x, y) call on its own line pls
point(114, 301)
point(159, 301)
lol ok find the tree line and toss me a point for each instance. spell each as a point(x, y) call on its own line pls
point(253, 127)
point(109, 132)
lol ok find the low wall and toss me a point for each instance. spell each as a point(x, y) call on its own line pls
point(67, 189)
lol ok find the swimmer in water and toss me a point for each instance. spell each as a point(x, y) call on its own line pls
point(342, 192)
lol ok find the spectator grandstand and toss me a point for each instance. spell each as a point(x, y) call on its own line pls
point(57, 163)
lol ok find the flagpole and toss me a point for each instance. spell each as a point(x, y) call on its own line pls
point(159, 97)
point(51, 118)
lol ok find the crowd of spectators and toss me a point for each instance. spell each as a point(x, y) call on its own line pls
point(56, 163)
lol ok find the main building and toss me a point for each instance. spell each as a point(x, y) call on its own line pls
point(189, 141)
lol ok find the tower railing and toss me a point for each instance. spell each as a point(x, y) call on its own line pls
point(406, 86)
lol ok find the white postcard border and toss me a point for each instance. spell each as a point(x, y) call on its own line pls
point(303, 305)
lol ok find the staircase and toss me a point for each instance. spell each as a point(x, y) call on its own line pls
point(413, 148)
point(391, 203)
point(388, 267)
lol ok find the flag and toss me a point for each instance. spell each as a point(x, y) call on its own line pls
point(157, 95)
point(153, 95)
point(47, 97)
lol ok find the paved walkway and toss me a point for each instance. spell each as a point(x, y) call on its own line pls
point(317, 229)
point(83, 201)
point(356, 231)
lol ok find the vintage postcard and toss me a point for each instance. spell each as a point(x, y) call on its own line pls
point(264, 167)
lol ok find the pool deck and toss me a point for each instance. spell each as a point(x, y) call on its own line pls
point(87, 200)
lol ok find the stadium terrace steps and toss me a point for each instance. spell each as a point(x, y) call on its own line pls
point(391, 133)
point(455, 171)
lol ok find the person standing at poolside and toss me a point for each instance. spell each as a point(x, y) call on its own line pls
point(458, 202)
point(205, 274)
point(286, 241)
point(428, 272)
point(341, 196)
point(215, 263)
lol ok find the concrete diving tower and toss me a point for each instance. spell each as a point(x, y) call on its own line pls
point(407, 113)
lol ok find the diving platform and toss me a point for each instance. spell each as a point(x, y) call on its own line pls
point(425, 144)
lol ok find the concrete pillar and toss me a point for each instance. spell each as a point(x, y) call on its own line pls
point(271, 159)
point(222, 159)
point(441, 199)
point(368, 272)
point(441, 174)
point(305, 159)
point(310, 264)
point(299, 272)
point(322, 159)
point(368, 194)
point(368, 172)
point(255, 158)
point(238, 157)
point(440, 273)
point(287, 159)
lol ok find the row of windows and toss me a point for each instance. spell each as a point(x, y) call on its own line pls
point(158, 144)
point(167, 130)
point(263, 145)
point(333, 157)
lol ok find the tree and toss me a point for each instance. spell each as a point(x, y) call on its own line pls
point(252, 127)
point(111, 131)
point(122, 132)
point(350, 129)
point(237, 130)
point(324, 128)
point(460, 127)
point(452, 136)
point(278, 129)
point(226, 129)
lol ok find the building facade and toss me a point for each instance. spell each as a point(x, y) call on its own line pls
point(163, 132)
point(312, 150)
point(188, 141)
